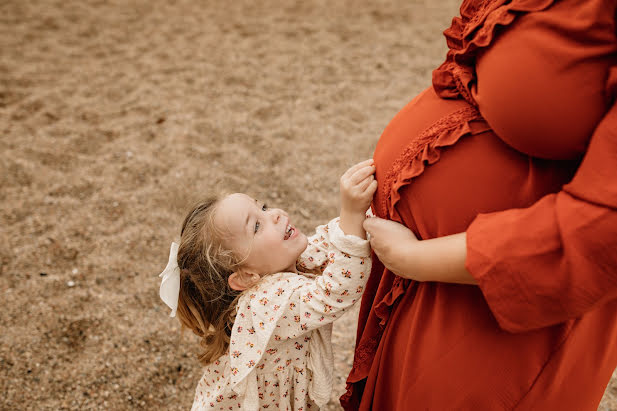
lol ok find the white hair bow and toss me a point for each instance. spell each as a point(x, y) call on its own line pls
point(170, 284)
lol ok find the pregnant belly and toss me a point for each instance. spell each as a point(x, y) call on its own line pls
point(439, 164)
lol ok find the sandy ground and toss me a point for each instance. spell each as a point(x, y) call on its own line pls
point(115, 115)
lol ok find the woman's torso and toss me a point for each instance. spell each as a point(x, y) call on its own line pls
point(541, 88)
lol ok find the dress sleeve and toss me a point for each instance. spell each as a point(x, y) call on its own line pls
point(556, 260)
point(320, 300)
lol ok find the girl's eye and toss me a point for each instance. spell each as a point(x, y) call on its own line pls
point(257, 224)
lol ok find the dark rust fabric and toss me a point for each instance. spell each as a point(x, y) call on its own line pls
point(516, 144)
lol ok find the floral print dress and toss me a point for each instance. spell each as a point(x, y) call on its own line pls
point(280, 353)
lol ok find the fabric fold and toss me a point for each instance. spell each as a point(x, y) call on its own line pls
point(476, 28)
point(320, 364)
point(383, 309)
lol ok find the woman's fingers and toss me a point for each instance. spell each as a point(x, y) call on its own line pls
point(388, 230)
point(371, 224)
point(391, 241)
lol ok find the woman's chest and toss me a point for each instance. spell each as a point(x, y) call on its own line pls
point(543, 83)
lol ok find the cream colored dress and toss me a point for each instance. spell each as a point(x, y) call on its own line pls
point(280, 354)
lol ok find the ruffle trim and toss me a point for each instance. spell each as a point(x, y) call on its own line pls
point(475, 29)
point(422, 151)
point(425, 150)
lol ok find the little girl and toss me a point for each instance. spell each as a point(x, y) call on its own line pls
point(240, 281)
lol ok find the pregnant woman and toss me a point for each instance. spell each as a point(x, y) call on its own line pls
point(497, 286)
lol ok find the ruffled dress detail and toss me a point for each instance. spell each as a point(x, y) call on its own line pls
point(477, 26)
point(425, 150)
point(421, 152)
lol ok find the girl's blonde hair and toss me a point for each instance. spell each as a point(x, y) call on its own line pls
point(206, 304)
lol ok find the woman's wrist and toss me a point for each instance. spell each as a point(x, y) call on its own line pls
point(441, 259)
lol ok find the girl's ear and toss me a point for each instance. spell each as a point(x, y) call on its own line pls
point(241, 280)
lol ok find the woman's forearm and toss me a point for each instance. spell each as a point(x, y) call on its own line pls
point(440, 259)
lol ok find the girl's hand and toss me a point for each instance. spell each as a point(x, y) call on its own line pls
point(357, 187)
point(393, 243)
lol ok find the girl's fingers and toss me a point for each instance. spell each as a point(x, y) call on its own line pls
point(363, 185)
point(356, 167)
point(371, 188)
point(361, 174)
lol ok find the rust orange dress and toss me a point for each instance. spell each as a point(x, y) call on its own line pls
point(516, 144)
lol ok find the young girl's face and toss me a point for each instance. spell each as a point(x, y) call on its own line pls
point(262, 237)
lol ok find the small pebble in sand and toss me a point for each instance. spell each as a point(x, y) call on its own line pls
point(71, 283)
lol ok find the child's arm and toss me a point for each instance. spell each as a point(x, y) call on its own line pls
point(348, 264)
point(311, 303)
point(286, 305)
point(316, 254)
point(289, 305)
point(357, 187)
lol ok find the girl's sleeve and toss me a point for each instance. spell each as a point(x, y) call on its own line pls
point(316, 254)
point(286, 305)
point(557, 259)
point(315, 302)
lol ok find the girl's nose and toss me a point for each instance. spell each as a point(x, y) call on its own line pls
point(276, 215)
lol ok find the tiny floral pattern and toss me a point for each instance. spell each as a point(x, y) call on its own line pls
point(275, 326)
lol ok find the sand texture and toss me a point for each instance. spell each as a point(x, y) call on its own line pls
point(115, 115)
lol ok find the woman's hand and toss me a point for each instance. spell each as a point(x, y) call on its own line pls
point(438, 259)
point(393, 243)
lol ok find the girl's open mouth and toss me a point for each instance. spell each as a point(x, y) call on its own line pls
point(289, 232)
